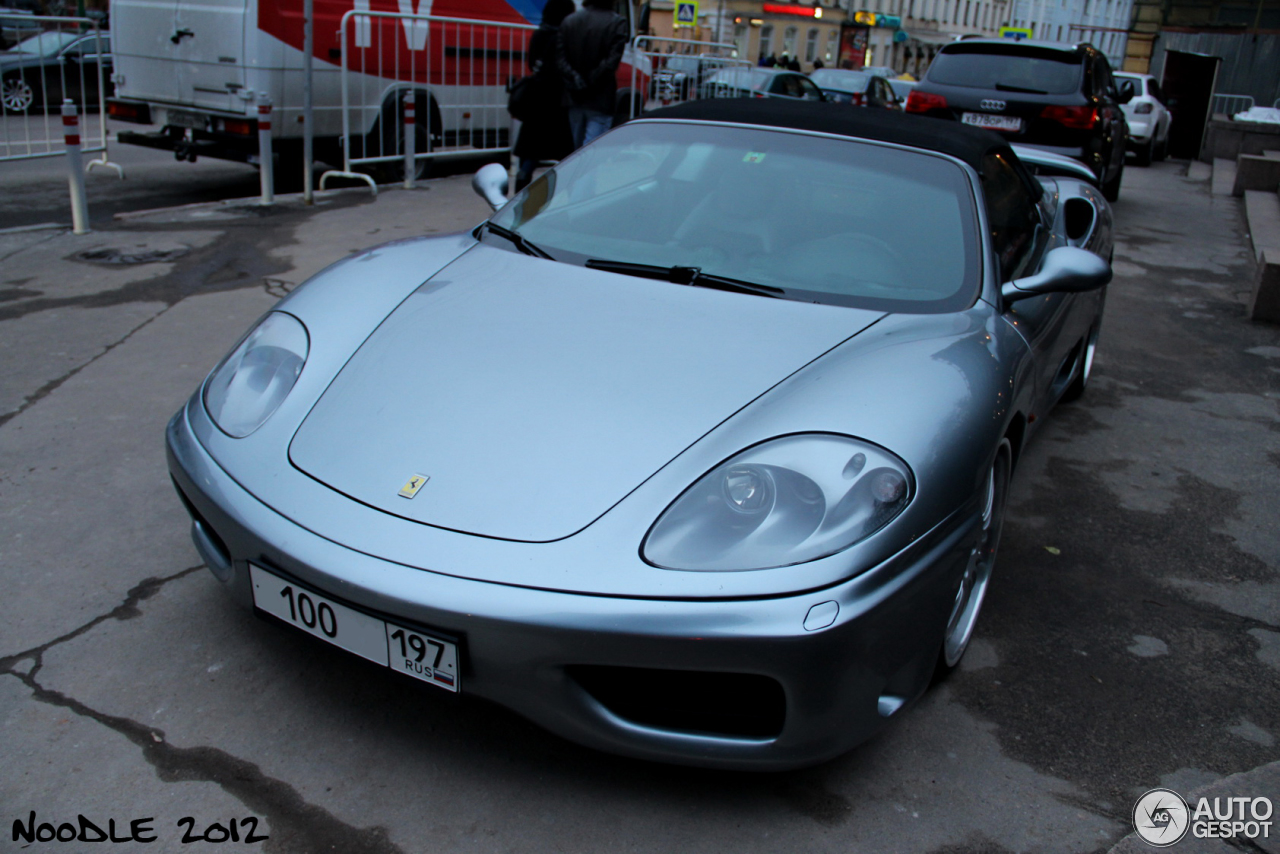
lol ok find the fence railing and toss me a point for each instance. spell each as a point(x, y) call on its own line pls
point(1232, 104)
point(454, 72)
point(683, 70)
point(53, 59)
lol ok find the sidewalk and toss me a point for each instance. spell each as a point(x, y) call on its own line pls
point(65, 300)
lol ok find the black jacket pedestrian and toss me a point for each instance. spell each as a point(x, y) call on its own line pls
point(591, 44)
point(545, 135)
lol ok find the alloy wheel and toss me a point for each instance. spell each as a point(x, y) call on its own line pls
point(17, 95)
point(977, 573)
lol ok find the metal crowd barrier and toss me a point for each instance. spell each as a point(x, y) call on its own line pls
point(1232, 104)
point(67, 56)
point(452, 73)
point(684, 70)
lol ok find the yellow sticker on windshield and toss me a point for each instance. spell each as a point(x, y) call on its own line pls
point(753, 157)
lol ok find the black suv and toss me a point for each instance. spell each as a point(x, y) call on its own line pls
point(1058, 97)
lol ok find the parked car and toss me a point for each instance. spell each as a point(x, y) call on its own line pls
point(761, 83)
point(708, 478)
point(860, 88)
point(42, 70)
point(683, 76)
point(901, 88)
point(1055, 96)
point(1147, 116)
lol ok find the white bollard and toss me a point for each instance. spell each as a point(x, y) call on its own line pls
point(410, 140)
point(266, 166)
point(75, 172)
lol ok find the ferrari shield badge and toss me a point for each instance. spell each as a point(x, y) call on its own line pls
point(412, 486)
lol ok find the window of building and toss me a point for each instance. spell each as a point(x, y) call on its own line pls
point(766, 40)
point(833, 40)
point(811, 46)
point(789, 41)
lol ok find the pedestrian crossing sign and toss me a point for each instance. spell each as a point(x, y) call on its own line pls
point(686, 13)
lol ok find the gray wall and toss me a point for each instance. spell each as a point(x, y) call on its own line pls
point(1250, 63)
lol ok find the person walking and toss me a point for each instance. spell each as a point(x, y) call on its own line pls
point(544, 133)
point(590, 50)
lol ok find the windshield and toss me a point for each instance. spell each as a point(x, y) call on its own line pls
point(840, 81)
point(1008, 68)
point(45, 44)
point(819, 218)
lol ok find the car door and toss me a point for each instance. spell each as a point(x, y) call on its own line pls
point(1021, 235)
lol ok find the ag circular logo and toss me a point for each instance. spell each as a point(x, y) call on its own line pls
point(1161, 817)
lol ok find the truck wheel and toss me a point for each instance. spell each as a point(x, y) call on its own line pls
point(387, 138)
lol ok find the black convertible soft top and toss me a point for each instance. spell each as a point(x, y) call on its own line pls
point(961, 141)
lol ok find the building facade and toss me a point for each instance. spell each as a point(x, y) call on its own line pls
point(901, 34)
point(1102, 23)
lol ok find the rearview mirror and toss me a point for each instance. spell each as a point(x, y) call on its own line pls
point(490, 183)
point(1064, 270)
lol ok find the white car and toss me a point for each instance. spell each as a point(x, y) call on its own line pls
point(1148, 117)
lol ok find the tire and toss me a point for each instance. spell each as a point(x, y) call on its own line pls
point(393, 171)
point(1162, 150)
point(17, 95)
point(972, 589)
point(1147, 153)
point(1080, 381)
point(1111, 189)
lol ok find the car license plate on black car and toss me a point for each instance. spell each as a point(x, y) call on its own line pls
point(993, 122)
point(409, 651)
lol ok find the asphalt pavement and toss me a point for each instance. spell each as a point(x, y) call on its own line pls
point(1130, 640)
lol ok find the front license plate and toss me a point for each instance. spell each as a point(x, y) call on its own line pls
point(409, 651)
point(992, 122)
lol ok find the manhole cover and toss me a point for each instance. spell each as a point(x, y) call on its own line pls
point(135, 256)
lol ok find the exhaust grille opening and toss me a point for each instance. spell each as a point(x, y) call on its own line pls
point(732, 704)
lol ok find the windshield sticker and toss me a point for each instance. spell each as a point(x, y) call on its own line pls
point(753, 157)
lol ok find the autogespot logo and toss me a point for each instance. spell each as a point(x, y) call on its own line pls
point(1161, 817)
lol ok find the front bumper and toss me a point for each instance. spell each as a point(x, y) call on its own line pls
point(523, 647)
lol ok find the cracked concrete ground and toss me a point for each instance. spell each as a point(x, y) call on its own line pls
point(1143, 650)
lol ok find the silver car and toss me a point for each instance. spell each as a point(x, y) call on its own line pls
point(664, 464)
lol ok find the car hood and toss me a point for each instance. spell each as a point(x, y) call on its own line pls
point(535, 395)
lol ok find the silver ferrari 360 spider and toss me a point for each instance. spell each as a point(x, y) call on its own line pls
point(697, 450)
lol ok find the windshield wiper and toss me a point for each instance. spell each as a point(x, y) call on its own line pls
point(685, 276)
point(1005, 87)
point(521, 243)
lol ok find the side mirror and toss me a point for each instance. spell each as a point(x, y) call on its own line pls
point(1064, 270)
point(1127, 92)
point(490, 183)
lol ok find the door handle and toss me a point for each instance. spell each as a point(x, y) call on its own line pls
point(179, 35)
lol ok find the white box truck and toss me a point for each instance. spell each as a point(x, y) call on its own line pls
point(197, 68)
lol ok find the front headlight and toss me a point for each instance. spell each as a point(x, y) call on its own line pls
point(254, 379)
point(786, 501)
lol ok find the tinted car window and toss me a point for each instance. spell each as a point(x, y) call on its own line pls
point(674, 194)
point(807, 89)
point(1011, 215)
point(1011, 68)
